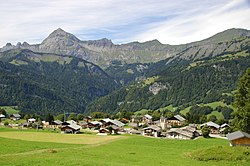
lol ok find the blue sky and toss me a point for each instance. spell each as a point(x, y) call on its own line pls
point(122, 21)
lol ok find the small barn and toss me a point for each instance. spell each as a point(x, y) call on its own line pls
point(15, 117)
point(239, 138)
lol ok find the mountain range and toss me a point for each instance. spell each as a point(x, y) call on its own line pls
point(63, 74)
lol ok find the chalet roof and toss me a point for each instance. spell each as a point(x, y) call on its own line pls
point(156, 128)
point(83, 123)
point(89, 117)
point(132, 124)
point(114, 127)
point(188, 129)
point(58, 122)
point(71, 122)
point(74, 126)
point(16, 115)
point(148, 116)
point(2, 116)
point(106, 120)
point(182, 132)
point(117, 123)
point(211, 124)
point(179, 117)
point(224, 125)
point(237, 135)
point(96, 123)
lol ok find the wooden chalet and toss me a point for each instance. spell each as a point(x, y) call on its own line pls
point(56, 124)
point(83, 124)
point(94, 125)
point(147, 119)
point(105, 122)
point(176, 120)
point(214, 128)
point(154, 131)
point(15, 117)
point(72, 128)
point(239, 138)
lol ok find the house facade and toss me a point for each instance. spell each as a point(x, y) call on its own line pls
point(239, 138)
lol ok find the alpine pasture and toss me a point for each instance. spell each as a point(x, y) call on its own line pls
point(43, 148)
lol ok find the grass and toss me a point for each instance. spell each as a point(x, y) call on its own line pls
point(218, 115)
point(135, 150)
point(10, 109)
point(59, 138)
point(213, 105)
point(219, 153)
point(169, 107)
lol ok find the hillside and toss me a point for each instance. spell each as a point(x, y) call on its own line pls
point(42, 83)
point(178, 82)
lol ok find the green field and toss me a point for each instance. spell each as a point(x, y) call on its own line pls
point(27, 148)
point(10, 109)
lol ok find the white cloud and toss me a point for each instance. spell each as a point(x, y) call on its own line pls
point(173, 22)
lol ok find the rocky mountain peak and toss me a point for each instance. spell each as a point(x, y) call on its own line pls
point(60, 35)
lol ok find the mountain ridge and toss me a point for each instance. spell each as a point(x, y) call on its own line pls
point(103, 51)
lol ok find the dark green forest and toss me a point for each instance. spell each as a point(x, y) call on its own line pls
point(50, 87)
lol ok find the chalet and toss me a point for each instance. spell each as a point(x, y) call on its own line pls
point(94, 125)
point(15, 117)
point(224, 128)
point(103, 130)
point(56, 124)
point(239, 138)
point(65, 123)
point(72, 128)
point(88, 119)
point(152, 131)
point(176, 133)
point(83, 124)
point(176, 120)
point(2, 117)
point(147, 119)
point(31, 120)
point(105, 122)
point(71, 122)
point(214, 128)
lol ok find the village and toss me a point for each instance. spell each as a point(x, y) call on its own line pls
point(175, 127)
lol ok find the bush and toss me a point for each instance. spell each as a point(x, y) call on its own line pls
point(205, 131)
point(6, 123)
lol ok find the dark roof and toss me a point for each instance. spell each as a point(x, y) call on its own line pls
point(237, 135)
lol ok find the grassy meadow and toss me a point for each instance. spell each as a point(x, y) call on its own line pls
point(41, 148)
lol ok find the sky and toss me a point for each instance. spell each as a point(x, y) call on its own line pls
point(122, 21)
